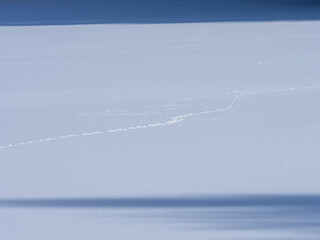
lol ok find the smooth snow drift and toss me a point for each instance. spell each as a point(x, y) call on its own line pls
point(224, 102)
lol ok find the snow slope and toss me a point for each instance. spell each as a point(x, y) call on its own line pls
point(145, 110)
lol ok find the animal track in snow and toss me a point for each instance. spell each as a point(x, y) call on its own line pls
point(171, 121)
point(272, 91)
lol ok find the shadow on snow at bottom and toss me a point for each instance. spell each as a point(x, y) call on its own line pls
point(291, 213)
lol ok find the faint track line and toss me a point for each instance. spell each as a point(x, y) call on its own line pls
point(171, 121)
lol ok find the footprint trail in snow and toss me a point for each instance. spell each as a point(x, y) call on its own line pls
point(171, 121)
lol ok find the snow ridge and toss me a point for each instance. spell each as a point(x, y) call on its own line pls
point(171, 121)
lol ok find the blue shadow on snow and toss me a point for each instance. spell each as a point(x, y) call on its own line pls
point(225, 212)
point(60, 12)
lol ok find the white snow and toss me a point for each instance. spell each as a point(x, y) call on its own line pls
point(117, 110)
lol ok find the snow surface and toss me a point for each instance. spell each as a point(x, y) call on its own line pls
point(139, 110)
